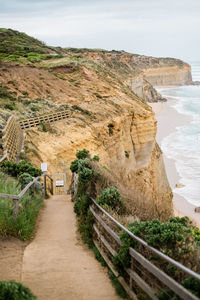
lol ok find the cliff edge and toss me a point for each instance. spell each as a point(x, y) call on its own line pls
point(106, 94)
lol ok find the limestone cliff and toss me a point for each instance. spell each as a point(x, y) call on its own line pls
point(169, 76)
point(106, 94)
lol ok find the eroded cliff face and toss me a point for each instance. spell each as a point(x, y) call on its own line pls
point(105, 94)
point(140, 176)
point(169, 76)
point(144, 89)
point(142, 73)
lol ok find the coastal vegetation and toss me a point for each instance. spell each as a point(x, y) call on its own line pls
point(108, 113)
point(13, 178)
point(15, 291)
point(178, 238)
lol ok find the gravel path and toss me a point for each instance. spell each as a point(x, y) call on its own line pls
point(56, 264)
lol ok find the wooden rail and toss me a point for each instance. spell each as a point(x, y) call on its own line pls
point(50, 118)
point(16, 198)
point(12, 140)
point(142, 273)
point(12, 134)
point(45, 184)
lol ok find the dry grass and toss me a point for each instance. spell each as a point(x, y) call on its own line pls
point(138, 206)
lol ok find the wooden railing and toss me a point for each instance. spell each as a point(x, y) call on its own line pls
point(45, 184)
point(12, 140)
point(142, 275)
point(50, 118)
point(16, 198)
point(12, 134)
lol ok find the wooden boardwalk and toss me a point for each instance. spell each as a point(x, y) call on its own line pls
point(56, 264)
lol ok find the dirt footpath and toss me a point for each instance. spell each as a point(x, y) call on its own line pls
point(56, 265)
point(11, 256)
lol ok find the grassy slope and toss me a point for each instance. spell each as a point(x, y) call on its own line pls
point(43, 82)
point(12, 41)
point(29, 204)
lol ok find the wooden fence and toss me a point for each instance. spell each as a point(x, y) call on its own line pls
point(143, 276)
point(12, 135)
point(12, 140)
point(16, 198)
point(50, 118)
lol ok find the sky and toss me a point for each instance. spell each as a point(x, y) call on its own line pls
point(163, 28)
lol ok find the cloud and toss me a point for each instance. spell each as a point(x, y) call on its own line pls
point(154, 27)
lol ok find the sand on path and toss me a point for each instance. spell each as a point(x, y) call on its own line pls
point(56, 264)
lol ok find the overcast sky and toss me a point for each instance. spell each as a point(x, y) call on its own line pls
point(150, 27)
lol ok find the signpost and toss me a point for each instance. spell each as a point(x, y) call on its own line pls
point(44, 167)
point(44, 170)
point(59, 183)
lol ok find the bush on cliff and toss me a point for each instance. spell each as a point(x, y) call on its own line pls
point(111, 197)
point(14, 169)
point(82, 154)
point(10, 290)
point(174, 238)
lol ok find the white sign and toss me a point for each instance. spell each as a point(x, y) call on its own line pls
point(44, 167)
point(59, 183)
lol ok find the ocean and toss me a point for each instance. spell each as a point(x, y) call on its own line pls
point(183, 145)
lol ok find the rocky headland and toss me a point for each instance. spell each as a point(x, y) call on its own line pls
point(106, 94)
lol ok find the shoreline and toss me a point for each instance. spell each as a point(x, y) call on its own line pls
point(162, 112)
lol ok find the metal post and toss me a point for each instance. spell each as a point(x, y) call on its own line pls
point(45, 184)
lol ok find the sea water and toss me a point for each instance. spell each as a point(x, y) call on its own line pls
point(183, 145)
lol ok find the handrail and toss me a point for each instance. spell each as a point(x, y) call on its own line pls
point(157, 252)
point(45, 185)
point(17, 197)
point(5, 156)
point(12, 140)
point(138, 262)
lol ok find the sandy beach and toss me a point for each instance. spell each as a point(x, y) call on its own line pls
point(168, 119)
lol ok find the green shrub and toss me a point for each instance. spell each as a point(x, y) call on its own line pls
point(196, 233)
point(82, 154)
point(24, 179)
point(110, 129)
point(9, 106)
point(111, 197)
point(96, 158)
point(43, 126)
point(86, 229)
point(35, 108)
point(174, 238)
point(81, 205)
point(78, 164)
point(126, 154)
point(74, 166)
point(10, 290)
point(15, 169)
point(192, 285)
point(23, 225)
point(85, 174)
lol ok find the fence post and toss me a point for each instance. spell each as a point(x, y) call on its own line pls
point(51, 186)
point(45, 184)
point(15, 208)
point(130, 280)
